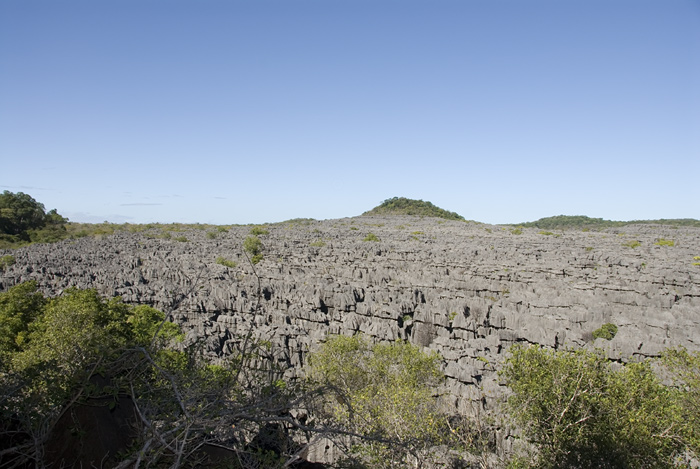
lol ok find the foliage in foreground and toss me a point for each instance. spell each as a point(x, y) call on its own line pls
point(575, 407)
point(404, 206)
point(385, 392)
point(581, 412)
point(54, 353)
point(53, 350)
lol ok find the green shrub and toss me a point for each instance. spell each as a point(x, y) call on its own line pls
point(225, 262)
point(385, 391)
point(517, 231)
point(253, 246)
point(318, 244)
point(259, 231)
point(222, 229)
point(683, 370)
point(6, 261)
point(665, 242)
point(632, 244)
point(256, 258)
point(579, 411)
point(211, 235)
point(606, 331)
point(371, 237)
point(182, 239)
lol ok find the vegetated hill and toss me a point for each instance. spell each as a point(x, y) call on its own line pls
point(404, 206)
point(581, 221)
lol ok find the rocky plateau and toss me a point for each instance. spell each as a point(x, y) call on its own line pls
point(464, 289)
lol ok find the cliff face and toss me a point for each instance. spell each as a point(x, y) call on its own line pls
point(466, 290)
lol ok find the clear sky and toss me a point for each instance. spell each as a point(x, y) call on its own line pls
point(264, 110)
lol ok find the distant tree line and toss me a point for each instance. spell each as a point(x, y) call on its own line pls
point(584, 222)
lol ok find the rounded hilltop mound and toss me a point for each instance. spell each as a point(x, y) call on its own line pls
point(404, 206)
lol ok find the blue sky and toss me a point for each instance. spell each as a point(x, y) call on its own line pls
point(261, 111)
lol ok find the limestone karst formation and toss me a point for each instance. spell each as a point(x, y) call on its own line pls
point(465, 289)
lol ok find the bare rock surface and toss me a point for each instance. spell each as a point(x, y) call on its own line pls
point(467, 290)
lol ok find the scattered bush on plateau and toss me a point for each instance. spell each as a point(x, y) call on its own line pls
point(259, 231)
point(665, 242)
point(253, 246)
point(607, 331)
point(225, 262)
point(6, 261)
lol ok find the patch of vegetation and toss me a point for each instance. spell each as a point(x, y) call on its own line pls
point(182, 239)
point(6, 261)
point(318, 244)
point(259, 231)
point(665, 242)
point(212, 234)
point(371, 237)
point(299, 222)
point(581, 411)
point(404, 206)
point(385, 390)
point(354, 228)
point(517, 231)
point(253, 246)
point(607, 331)
point(226, 262)
point(632, 244)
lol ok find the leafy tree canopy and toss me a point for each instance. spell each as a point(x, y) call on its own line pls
point(404, 206)
point(581, 412)
point(384, 391)
point(23, 219)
